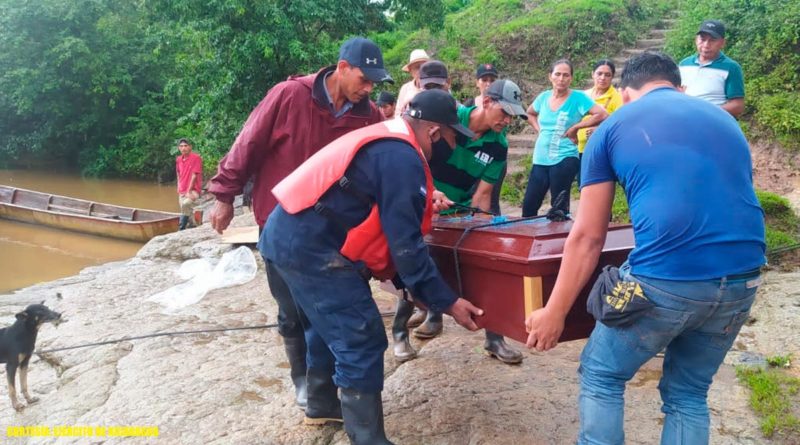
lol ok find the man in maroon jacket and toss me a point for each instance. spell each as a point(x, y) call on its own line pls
point(296, 119)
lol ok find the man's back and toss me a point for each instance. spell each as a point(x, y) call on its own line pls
point(686, 170)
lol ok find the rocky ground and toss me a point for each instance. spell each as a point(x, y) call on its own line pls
point(234, 387)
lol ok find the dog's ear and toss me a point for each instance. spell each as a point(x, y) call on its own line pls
point(22, 315)
point(42, 303)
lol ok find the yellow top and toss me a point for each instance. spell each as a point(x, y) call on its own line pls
point(610, 100)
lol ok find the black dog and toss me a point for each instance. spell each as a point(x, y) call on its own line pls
point(16, 346)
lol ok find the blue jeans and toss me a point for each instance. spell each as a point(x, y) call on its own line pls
point(344, 330)
point(697, 322)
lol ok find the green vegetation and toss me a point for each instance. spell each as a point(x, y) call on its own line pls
point(522, 38)
point(773, 394)
point(108, 86)
point(763, 36)
point(783, 225)
point(513, 190)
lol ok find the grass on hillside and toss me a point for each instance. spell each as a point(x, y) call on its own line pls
point(523, 37)
point(775, 397)
point(783, 225)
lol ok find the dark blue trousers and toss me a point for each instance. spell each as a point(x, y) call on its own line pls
point(344, 332)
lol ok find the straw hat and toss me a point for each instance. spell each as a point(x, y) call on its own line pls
point(417, 56)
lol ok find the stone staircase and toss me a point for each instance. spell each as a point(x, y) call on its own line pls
point(654, 40)
point(521, 144)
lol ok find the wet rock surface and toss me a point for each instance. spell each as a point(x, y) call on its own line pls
point(234, 387)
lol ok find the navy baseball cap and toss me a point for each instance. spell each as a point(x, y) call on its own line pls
point(364, 54)
point(386, 98)
point(437, 106)
point(714, 28)
point(433, 71)
point(485, 69)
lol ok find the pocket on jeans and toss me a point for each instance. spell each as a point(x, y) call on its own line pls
point(656, 328)
point(724, 331)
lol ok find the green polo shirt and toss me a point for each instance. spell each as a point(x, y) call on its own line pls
point(456, 172)
point(716, 82)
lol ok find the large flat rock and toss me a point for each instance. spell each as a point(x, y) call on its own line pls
point(234, 387)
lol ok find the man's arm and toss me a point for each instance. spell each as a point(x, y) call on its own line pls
point(248, 150)
point(247, 153)
point(734, 91)
point(401, 206)
point(734, 106)
point(482, 198)
point(581, 251)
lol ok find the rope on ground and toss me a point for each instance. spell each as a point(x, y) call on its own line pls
point(169, 334)
point(783, 249)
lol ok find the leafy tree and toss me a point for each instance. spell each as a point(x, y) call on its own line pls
point(110, 85)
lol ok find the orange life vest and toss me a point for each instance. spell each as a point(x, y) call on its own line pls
point(303, 188)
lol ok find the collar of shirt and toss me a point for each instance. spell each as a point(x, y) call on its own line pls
point(347, 104)
point(697, 59)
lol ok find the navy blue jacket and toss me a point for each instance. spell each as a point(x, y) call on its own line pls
point(391, 173)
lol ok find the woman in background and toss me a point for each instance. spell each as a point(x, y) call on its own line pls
point(603, 94)
point(556, 115)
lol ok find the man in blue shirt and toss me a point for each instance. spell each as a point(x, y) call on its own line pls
point(686, 170)
point(344, 330)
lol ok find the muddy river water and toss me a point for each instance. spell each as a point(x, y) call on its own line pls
point(30, 253)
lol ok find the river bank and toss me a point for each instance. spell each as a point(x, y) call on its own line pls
point(234, 387)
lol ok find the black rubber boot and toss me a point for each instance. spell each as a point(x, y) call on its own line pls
point(496, 347)
point(296, 353)
point(432, 326)
point(417, 319)
point(182, 222)
point(402, 347)
point(323, 404)
point(363, 417)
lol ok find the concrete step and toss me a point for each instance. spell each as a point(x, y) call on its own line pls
point(629, 52)
point(619, 62)
point(650, 43)
point(658, 33)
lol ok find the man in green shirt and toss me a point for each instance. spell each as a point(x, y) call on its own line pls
point(711, 75)
point(467, 175)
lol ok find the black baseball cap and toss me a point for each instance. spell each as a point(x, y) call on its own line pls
point(508, 95)
point(364, 54)
point(485, 69)
point(437, 106)
point(714, 28)
point(433, 71)
point(386, 98)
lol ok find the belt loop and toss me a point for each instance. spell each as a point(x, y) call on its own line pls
point(723, 283)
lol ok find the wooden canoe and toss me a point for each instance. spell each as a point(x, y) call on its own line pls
point(78, 215)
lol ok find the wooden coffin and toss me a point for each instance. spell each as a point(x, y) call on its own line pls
point(79, 215)
point(509, 270)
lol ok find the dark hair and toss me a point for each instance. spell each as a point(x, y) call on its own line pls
point(559, 62)
point(650, 66)
point(607, 63)
point(184, 141)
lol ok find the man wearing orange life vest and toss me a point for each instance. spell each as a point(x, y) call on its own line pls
point(360, 207)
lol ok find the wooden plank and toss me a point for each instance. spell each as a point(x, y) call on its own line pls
point(532, 291)
point(240, 235)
